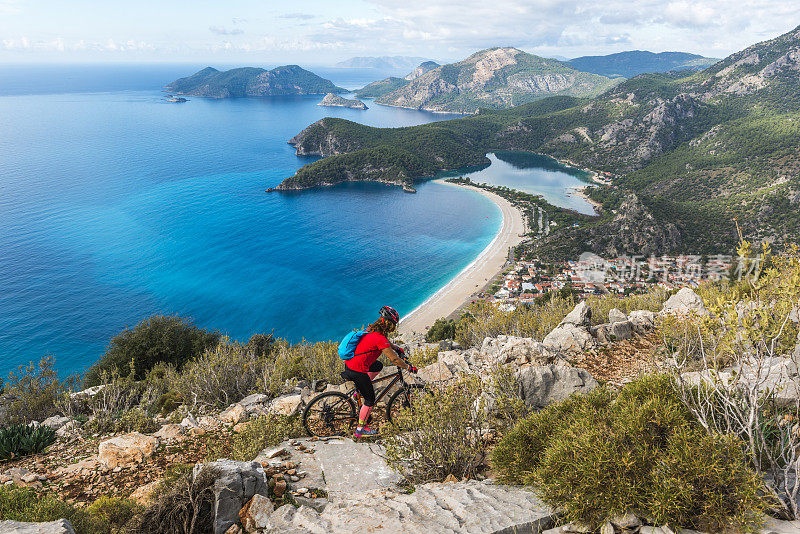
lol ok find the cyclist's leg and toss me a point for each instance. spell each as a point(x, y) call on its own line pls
point(364, 386)
point(374, 370)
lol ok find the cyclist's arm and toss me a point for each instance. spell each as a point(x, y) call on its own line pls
point(395, 359)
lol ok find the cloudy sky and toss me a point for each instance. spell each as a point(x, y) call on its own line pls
point(323, 32)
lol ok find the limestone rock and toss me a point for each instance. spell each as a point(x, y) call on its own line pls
point(61, 526)
point(684, 302)
point(608, 333)
point(255, 514)
point(778, 375)
point(286, 405)
point(170, 432)
point(543, 385)
point(83, 467)
point(233, 414)
point(67, 429)
point(252, 401)
point(776, 526)
point(190, 422)
point(55, 422)
point(628, 521)
point(126, 450)
point(615, 316)
point(643, 321)
point(144, 494)
point(454, 360)
point(569, 338)
point(436, 372)
point(572, 333)
point(236, 484)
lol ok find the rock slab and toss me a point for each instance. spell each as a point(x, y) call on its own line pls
point(61, 526)
point(236, 484)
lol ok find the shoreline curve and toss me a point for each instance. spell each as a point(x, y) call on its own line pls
point(474, 276)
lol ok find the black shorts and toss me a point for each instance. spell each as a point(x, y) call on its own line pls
point(363, 383)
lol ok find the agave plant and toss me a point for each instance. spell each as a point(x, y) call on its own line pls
point(21, 440)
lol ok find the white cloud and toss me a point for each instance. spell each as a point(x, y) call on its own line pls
point(222, 30)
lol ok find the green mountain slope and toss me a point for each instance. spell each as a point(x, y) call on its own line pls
point(251, 81)
point(635, 62)
point(495, 78)
point(687, 153)
point(381, 87)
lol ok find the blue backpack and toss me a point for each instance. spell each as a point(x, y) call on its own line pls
point(347, 348)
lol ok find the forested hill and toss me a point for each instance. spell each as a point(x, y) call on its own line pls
point(252, 81)
point(696, 149)
point(635, 62)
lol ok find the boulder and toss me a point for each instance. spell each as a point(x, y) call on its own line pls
point(255, 514)
point(778, 375)
point(286, 405)
point(572, 333)
point(190, 422)
point(607, 333)
point(521, 350)
point(569, 338)
point(454, 360)
point(170, 432)
point(235, 485)
point(83, 467)
point(255, 398)
point(233, 414)
point(708, 377)
point(684, 302)
point(615, 316)
point(126, 450)
point(61, 526)
point(543, 385)
point(143, 495)
point(55, 422)
point(436, 372)
point(643, 321)
point(87, 393)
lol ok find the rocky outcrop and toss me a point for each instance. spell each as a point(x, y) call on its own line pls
point(236, 483)
point(333, 100)
point(321, 139)
point(62, 526)
point(126, 450)
point(684, 302)
point(423, 68)
point(541, 386)
point(455, 507)
point(494, 78)
point(572, 333)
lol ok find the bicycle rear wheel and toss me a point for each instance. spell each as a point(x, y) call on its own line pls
point(403, 399)
point(329, 414)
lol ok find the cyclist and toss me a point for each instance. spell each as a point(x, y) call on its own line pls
point(364, 366)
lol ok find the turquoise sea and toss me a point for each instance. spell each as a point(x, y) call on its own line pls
point(116, 205)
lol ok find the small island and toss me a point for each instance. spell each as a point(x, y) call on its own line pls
point(178, 99)
point(337, 101)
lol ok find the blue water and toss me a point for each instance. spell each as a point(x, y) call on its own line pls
point(116, 205)
point(534, 173)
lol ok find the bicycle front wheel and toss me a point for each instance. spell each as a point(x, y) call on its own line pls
point(403, 399)
point(329, 414)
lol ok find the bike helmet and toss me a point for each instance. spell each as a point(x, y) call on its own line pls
point(390, 314)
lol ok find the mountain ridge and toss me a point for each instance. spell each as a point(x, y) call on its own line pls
point(634, 62)
point(697, 149)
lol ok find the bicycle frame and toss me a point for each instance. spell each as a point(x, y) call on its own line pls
point(396, 376)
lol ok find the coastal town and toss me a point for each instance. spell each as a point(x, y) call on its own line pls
point(522, 282)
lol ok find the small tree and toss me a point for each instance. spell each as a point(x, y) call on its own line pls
point(751, 331)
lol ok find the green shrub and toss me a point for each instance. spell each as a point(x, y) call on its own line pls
point(221, 375)
point(422, 357)
point(21, 440)
point(168, 339)
point(441, 329)
point(257, 435)
point(601, 455)
point(442, 434)
point(508, 404)
point(35, 389)
point(186, 507)
point(105, 516)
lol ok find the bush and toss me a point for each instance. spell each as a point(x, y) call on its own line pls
point(35, 389)
point(442, 434)
point(106, 515)
point(168, 339)
point(21, 440)
point(187, 507)
point(221, 375)
point(508, 405)
point(441, 329)
point(257, 435)
point(602, 455)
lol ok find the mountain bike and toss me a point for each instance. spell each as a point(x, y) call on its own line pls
point(334, 413)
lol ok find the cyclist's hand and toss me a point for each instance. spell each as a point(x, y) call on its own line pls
point(411, 369)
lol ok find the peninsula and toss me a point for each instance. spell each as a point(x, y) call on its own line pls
point(334, 100)
point(252, 81)
point(658, 139)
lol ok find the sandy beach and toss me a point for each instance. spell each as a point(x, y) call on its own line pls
point(473, 277)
